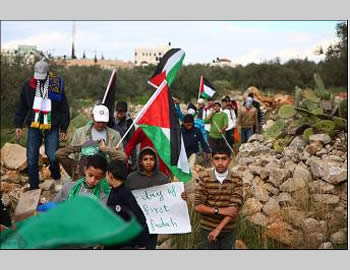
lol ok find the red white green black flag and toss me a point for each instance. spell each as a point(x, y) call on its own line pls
point(206, 89)
point(168, 67)
point(159, 121)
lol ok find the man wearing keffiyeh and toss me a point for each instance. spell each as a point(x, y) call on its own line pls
point(44, 108)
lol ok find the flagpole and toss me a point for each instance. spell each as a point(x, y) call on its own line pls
point(224, 138)
point(109, 84)
point(142, 112)
point(199, 90)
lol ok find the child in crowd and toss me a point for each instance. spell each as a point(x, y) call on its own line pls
point(123, 203)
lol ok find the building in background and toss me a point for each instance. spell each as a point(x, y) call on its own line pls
point(222, 62)
point(146, 56)
point(30, 53)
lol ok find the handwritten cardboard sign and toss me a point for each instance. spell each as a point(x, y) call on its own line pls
point(166, 212)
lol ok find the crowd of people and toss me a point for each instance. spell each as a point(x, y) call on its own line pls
point(102, 166)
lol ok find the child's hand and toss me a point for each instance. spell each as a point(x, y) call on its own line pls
point(184, 196)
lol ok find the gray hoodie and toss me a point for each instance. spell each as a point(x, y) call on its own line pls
point(139, 180)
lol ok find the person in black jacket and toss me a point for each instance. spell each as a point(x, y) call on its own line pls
point(192, 137)
point(261, 116)
point(123, 203)
point(44, 105)
point(123, 121)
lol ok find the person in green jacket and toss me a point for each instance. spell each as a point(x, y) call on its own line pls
point(94, 184)
point(218, 121)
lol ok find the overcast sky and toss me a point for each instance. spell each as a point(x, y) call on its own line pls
point(242, 42)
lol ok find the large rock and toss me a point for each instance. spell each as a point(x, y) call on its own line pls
point(290, 166)
point(298, 143)
point(277, 176)
point(271, 189)
point(294, 216)
point(255, 170)
point(328, 171)
point(264, 173)
point(251, 206)
point(284, 233)
point(48, 185)
point(338, 238)
point(292, 184)
point(321, 187)
point(14, 156)
point(336, 175)
point(323, 138)
point(301, 172)
point(252, 149)
point(247, 177)
point(292, 153)
point(285, 199)
point(27, 204)
point(311, 225)
point(314, 147)
point(258, 219)
point(325, 198)
point(272, 207)
point(256, 137)
point(260, 193)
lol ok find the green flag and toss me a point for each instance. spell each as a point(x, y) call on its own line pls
point(80, 221)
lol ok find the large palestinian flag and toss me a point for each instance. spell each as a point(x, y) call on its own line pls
point(159, 121)
point(109, 98)
point(206, 89)
point(168, 67)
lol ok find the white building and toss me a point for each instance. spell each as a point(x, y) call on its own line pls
point(146, 56)
point(222, 62)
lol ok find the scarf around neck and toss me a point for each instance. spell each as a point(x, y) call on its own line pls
point(96, 191)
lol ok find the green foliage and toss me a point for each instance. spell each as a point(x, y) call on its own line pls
point(9, 135)
point(320, 87)
point(311, 95)
point(286, 111)
point(317, 111)
point(222, 85)
point(343, 108)
point(339, 122)
point(276, 129)
point(307, 133)
point(310, 105)
point(297, 96)
point(325, 126)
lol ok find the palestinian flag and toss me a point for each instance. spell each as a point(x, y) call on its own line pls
point(168, 67)
point(206, 89)
point(109, 98)
point(159, 121)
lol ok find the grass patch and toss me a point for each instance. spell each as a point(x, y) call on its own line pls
point(190, 240)
point(253, 236)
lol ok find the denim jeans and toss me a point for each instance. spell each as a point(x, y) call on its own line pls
point(245, 134)
point(51, 140)
point(225, 240)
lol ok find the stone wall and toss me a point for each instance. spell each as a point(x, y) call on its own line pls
point(298, 197)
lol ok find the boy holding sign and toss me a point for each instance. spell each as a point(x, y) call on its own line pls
point(147, 175)
point(218, 198)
